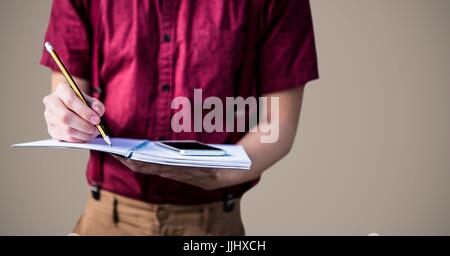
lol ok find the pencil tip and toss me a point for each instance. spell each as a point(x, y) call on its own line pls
point(108, 141)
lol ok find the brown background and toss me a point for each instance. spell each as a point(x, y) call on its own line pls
point(372, 153)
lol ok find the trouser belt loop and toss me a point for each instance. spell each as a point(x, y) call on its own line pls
point(229, 203)
point(95, 190)
point(206, 218)
point(115, 211)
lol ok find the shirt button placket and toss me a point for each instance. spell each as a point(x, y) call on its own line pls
point(168, 16)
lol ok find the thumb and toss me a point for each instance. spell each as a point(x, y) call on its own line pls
point(95, 104)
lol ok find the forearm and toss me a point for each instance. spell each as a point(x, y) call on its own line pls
point(264, 155)
point(58, 77)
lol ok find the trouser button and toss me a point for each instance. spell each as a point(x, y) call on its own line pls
point(162, 214)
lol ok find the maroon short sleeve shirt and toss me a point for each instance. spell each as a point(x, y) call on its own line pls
point(140, 55)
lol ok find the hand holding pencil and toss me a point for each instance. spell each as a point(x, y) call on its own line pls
point(71, 115)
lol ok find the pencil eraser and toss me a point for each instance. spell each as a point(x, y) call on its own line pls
point(48, 46)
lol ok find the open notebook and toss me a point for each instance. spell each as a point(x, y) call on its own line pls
point(148, 151)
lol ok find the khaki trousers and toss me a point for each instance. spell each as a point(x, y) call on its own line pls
point(114, 215)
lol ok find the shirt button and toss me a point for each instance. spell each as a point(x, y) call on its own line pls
point(166, 87)
point(162, 214)
point(166, 38)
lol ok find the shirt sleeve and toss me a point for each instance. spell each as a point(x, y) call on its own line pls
point(69, 33)
point(288, 55)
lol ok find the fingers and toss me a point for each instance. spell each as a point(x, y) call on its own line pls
point(68, 134)
point(58, 113)
point(197, 177)
point(75, 104)
point(166, 171)
point(63, 131)
point(137, 166)
point(68, 118)
point(96, 105)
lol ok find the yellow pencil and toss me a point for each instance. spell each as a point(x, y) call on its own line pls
point(75, 88)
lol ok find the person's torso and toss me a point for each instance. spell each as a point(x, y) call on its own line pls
point(146, 54)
